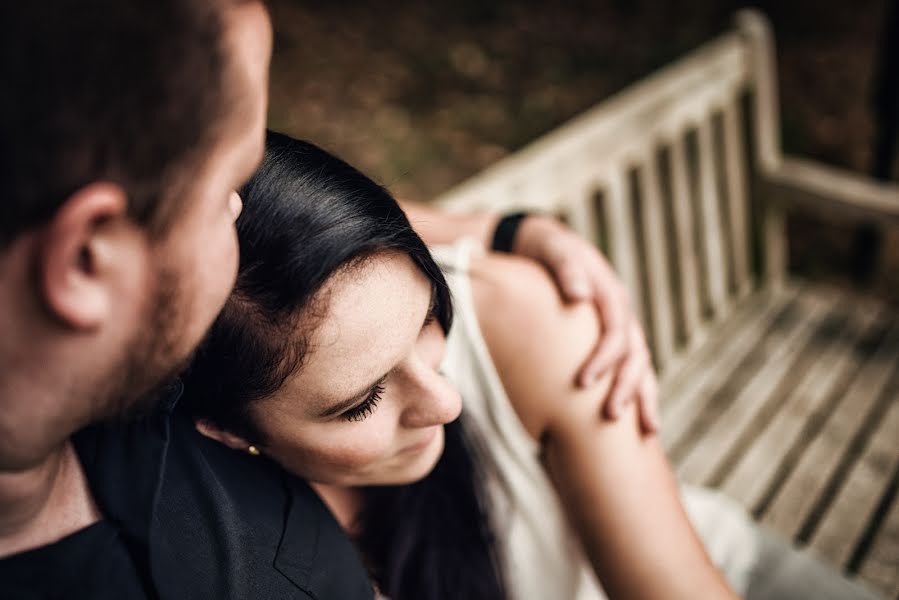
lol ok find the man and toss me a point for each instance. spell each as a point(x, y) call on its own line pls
point(125, 128)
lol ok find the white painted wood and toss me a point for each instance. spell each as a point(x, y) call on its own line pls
point(783, 347)
point(756, 32)
point(831, 190)
point(881, 565)
point(686, 393)
point(581, 217)
point(753, 475)
point(688, 257)
point(737, 198)
point(807, 480)
point(622, 229)
point(580, 211)
point(661, 305)
point(845, 521)
point(712, 229)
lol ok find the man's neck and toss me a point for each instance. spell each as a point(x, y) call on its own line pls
point(44, 504)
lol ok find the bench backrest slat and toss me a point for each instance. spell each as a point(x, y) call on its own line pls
point(657, 257)
point(685, 244)
point(658, 175)
point(621, 229)
point(710, 219)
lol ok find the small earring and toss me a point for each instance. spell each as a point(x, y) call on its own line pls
point(252, 450)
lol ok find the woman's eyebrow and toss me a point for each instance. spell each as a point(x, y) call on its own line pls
point(345, 405)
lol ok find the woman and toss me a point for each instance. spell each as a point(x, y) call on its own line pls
point(326, 361)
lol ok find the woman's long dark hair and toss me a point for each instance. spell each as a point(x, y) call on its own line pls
point(306, 215)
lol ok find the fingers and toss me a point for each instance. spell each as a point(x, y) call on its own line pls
point(572, 279)
point(612, 305)
point(649, 404)
point(636, 381)
point(625, 386)
point(582, 273)
point(611, 350)
point(571, 259)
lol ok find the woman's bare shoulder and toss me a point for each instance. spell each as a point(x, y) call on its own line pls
point(536, 339)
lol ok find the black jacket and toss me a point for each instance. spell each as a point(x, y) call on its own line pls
point(204, 521)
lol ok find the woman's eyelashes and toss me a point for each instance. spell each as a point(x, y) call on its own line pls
point(364, 410)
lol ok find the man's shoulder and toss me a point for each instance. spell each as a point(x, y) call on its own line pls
point(212, 522)
point(124, 463)
point(245, 528)
point(93, 562)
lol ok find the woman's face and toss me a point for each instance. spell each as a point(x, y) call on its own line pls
point(368, 405)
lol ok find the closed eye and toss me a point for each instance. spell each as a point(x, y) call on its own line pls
point(364, 410)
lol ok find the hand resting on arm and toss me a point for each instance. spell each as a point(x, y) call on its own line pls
point(582, 274)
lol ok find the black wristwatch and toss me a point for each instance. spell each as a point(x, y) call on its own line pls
point(506, 229)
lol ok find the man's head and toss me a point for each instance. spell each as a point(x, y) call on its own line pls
point(125, 128)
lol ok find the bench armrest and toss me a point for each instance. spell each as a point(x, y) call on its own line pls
point(831, 190)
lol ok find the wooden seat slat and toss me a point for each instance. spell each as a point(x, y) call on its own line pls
point(798, 496)
point(684, 395)
point(882, 559)
point(778, 353)
point(844, 522)
point(762, 463)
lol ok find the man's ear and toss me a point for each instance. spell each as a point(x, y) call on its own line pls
point(218, 434)
point(78, 252)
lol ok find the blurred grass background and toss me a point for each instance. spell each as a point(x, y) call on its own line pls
point(420, 95)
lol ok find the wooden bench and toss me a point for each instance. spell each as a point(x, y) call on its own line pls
point(780, 392)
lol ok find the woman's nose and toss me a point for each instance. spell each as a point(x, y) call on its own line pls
point(432, 400)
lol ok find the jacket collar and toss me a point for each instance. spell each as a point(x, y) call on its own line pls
point(201, 518)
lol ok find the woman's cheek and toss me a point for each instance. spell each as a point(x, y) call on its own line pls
point(357, 450)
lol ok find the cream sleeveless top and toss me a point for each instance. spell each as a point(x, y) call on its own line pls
point(540, 554)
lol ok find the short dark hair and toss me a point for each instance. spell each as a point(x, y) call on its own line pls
point(306, 216)
point(126, 91)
